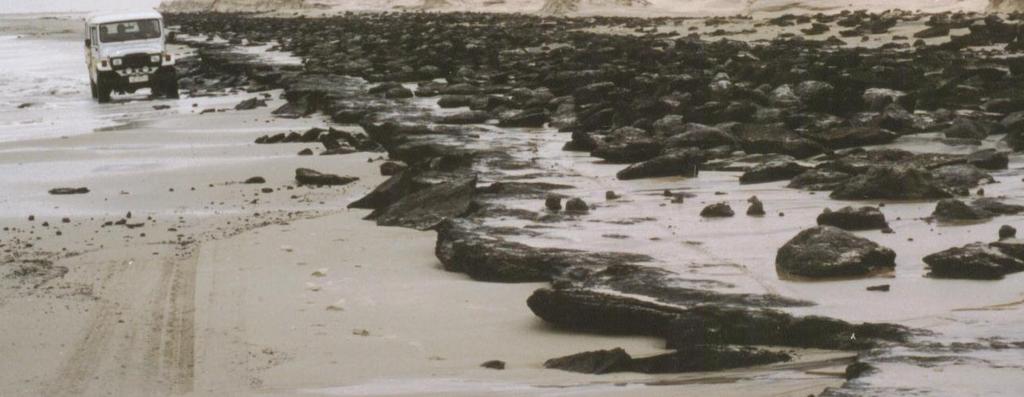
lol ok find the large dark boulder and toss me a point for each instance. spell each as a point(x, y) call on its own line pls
point(966, 129)
point(526, 118)
point(678, 163)
point(978, 261)
point(826, 251)
point(306, 176)
point(772, 171)
point(849, 218)
point(427, 207)
point(893, 182)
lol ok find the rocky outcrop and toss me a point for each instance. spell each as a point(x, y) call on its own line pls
point(826, 251)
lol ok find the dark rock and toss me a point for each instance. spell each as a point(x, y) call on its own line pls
point(977, 261)
point(627, 145)
point(775, 138)
point(306, 152)
point(849, 218)
point(961, 176)
point(846, 137)
point(700, 136)
point(857, 369)
point(489, 258)
point(69, 190)
point(879, 288)
point(454, 101)
point(717, 210)
point(251, 103)
point(989, 159)
point(255, 180)
point(399, 93)
point(306, 176)
point(1006, 232)
point(593, 362)
point(526, 118)
point(679, 163)
point(494, 364)
point(470, 117)
point(700, 358)
point(965, 128)
point(756, 207)
point(995, 206)
point(897, 182)
point(702, 324)
point(389, 168)
point(934, 31)
point(819, 179)
point(576, 205)
point(553, 202)
point(771, 172)
point(430, 206)
point(952, 209)
point(826, 251)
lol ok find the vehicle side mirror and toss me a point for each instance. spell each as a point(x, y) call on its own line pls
point(88, 42)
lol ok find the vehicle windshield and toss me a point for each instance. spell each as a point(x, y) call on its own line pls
point(130, 30)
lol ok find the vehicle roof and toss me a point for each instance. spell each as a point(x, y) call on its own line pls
point(122, 16)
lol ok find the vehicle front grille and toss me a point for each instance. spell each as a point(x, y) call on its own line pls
point(135, 61)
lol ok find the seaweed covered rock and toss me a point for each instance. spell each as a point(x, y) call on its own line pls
point(826, 251)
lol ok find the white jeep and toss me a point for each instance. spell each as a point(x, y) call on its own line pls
point(127, 51)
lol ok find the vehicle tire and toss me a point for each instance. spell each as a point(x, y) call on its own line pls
point(170, 86)
point(103, 91)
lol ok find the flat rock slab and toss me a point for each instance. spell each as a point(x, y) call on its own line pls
point(426, 208)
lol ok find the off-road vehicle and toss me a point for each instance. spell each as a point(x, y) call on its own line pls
point(126, 52)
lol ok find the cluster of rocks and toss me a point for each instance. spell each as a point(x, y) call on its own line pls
point(661, 106)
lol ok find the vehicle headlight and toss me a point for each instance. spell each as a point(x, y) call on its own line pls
point(116, 61)
point(154, 58)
